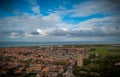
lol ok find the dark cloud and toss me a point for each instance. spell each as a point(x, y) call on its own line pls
point(114, 5)
point(114, 32)
point(19, 34)
point(58, 32)
point(8, 33)
point(34, 33)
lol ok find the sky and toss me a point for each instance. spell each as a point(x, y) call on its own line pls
point(59, 20)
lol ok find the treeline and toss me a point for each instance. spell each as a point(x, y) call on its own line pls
point(103, 66)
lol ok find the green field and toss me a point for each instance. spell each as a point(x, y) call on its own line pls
point(106, 50)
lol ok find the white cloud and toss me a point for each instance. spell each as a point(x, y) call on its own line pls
point(52, 17)
point(14, 35)
point(30, 22)
point(47, 27)
point(42, 32)
point(88, 8)
point(105, 25)
point(28, 35)
point(53, 27)
point(52, 32)
point(36, 9)
point(33, 2)
point(64, 29)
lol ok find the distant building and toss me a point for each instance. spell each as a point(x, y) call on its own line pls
point(80, 58)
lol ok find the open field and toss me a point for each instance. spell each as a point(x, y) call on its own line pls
point(106, 50)
point(101, 49)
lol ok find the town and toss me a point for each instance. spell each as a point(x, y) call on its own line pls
point(49, 61)
point(46, 61)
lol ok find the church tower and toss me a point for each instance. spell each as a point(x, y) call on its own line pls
point(80, 58)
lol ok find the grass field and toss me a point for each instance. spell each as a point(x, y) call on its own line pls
point(106, 50)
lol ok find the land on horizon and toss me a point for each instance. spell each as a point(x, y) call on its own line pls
point(17, 44)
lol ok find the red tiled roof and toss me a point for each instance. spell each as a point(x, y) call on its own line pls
point(46, 69)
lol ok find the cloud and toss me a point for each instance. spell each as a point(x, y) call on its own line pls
point(18, 7)
point(14, 35)
point(30, 26)
point(28, 35)
point(100, 27)
point(106, 25)
point(29, 22)
point(53, 27)
point(42, 32)
point(36, 9)
point(52, 18)
point(92, 7)
point(59, 32)
point(33, 2)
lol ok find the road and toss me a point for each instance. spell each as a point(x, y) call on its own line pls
point(69, 70)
